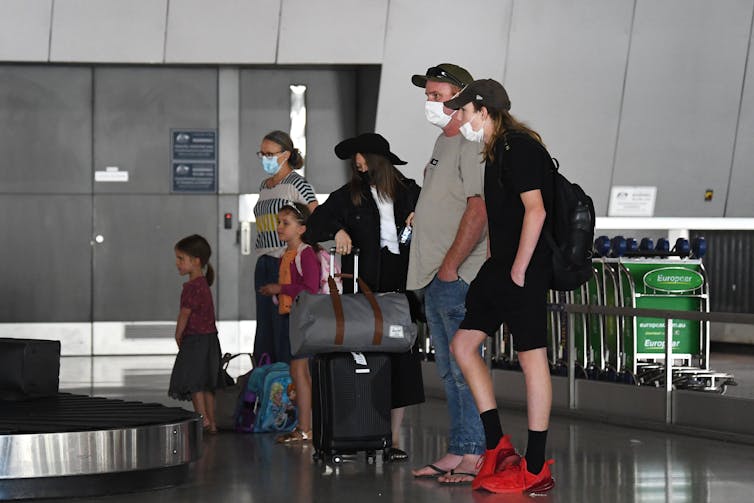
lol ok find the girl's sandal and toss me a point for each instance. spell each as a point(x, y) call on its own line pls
point(295, 435)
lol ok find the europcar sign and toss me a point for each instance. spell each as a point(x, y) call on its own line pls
point(673, 279)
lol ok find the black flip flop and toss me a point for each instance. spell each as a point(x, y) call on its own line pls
point(460, 482)
point(438, 471)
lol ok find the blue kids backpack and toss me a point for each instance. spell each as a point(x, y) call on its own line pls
point(267, 405)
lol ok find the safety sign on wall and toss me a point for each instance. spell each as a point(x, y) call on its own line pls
point(193, 160)
point(632, 201)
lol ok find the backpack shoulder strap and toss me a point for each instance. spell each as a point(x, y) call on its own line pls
point(297, 260)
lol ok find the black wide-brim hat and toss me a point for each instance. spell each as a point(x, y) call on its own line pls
point(367, 143)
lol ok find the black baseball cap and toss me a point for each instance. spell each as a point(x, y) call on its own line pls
point(444, 72)
point(488, 92)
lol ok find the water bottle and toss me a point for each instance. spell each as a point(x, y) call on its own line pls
point(404, 236)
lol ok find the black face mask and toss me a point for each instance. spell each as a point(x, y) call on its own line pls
point(364, 176)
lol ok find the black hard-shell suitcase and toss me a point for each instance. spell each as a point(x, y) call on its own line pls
point(29, 368)
point(350, 405)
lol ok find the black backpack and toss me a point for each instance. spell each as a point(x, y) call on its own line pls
point(570, 231)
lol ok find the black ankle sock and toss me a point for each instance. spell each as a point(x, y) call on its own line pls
point(535, 451)
point(493, 432)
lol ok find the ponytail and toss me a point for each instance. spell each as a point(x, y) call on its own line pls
point(296, 160)
point(210, 274)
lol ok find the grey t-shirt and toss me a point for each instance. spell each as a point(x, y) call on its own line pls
point(453, 174)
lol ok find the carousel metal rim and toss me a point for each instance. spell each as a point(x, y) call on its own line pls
point(66, 454)
point(94, 485)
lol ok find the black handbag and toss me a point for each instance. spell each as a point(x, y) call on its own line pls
point(228, 399)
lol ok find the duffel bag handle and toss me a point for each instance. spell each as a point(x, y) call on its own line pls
point(340, 320)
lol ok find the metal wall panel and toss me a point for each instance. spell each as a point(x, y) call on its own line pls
point(565, 72)
point(356, 37)
point(222, 31)
point(330, 116)
point(134, 110)
point(154, 338)
point(683, 88)
point(367, 91)
point(730, 267)
point(247, 306)
point(134, 266)
point(228, 82)
point(75, 338)
point(740, 202)
point(46, 118)
point(424, 33)
point(721, 413)
point(510, 388)
point(227, 258)
point(25, 30)
point(620, 400)
point(46, 257)
point(101, 31)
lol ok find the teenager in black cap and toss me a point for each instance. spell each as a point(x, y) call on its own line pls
point(511, 287)
point(368, 213)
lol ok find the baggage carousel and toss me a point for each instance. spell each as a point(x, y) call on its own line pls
point(73, 445)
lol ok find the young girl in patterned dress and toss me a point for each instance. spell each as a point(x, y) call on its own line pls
point(197, 371)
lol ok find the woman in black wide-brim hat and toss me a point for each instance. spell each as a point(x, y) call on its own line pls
point(368, 213)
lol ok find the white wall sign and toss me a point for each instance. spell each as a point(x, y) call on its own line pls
point(111, 174)
point(632, 201)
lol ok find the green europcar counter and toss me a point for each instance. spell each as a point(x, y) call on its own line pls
point(665, 284)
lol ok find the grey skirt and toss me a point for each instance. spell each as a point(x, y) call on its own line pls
point(197, 367)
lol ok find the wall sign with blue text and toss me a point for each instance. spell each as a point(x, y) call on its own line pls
point(193, 160)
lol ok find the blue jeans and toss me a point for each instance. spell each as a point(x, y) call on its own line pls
point(445, 308)
point(266, 271)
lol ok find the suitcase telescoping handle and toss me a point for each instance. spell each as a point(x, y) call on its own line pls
point(337, 303)
point(355, 274)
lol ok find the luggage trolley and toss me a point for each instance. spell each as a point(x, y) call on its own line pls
point(610, 348)
point(669, 284)
point(558, 333)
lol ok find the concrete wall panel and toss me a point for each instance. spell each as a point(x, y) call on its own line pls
point(25, 30)
point(109, 31)
point(347, 32)
point(222, 31)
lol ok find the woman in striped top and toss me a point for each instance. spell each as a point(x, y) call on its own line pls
point(284, 186)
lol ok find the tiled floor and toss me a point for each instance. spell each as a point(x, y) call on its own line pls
point(594, 462)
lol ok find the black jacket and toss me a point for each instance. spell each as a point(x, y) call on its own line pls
point(362, 223)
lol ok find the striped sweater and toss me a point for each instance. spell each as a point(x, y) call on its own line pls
point(292, 189)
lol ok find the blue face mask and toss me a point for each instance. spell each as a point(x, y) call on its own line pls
point(270, 166)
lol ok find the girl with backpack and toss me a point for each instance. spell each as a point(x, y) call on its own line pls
point(197, 372)
point(511, 286)
point(299, 270)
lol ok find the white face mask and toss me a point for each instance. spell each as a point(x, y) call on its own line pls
point(468, 132)
point(435, 113)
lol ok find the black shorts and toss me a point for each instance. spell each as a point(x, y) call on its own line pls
point(494, 298)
